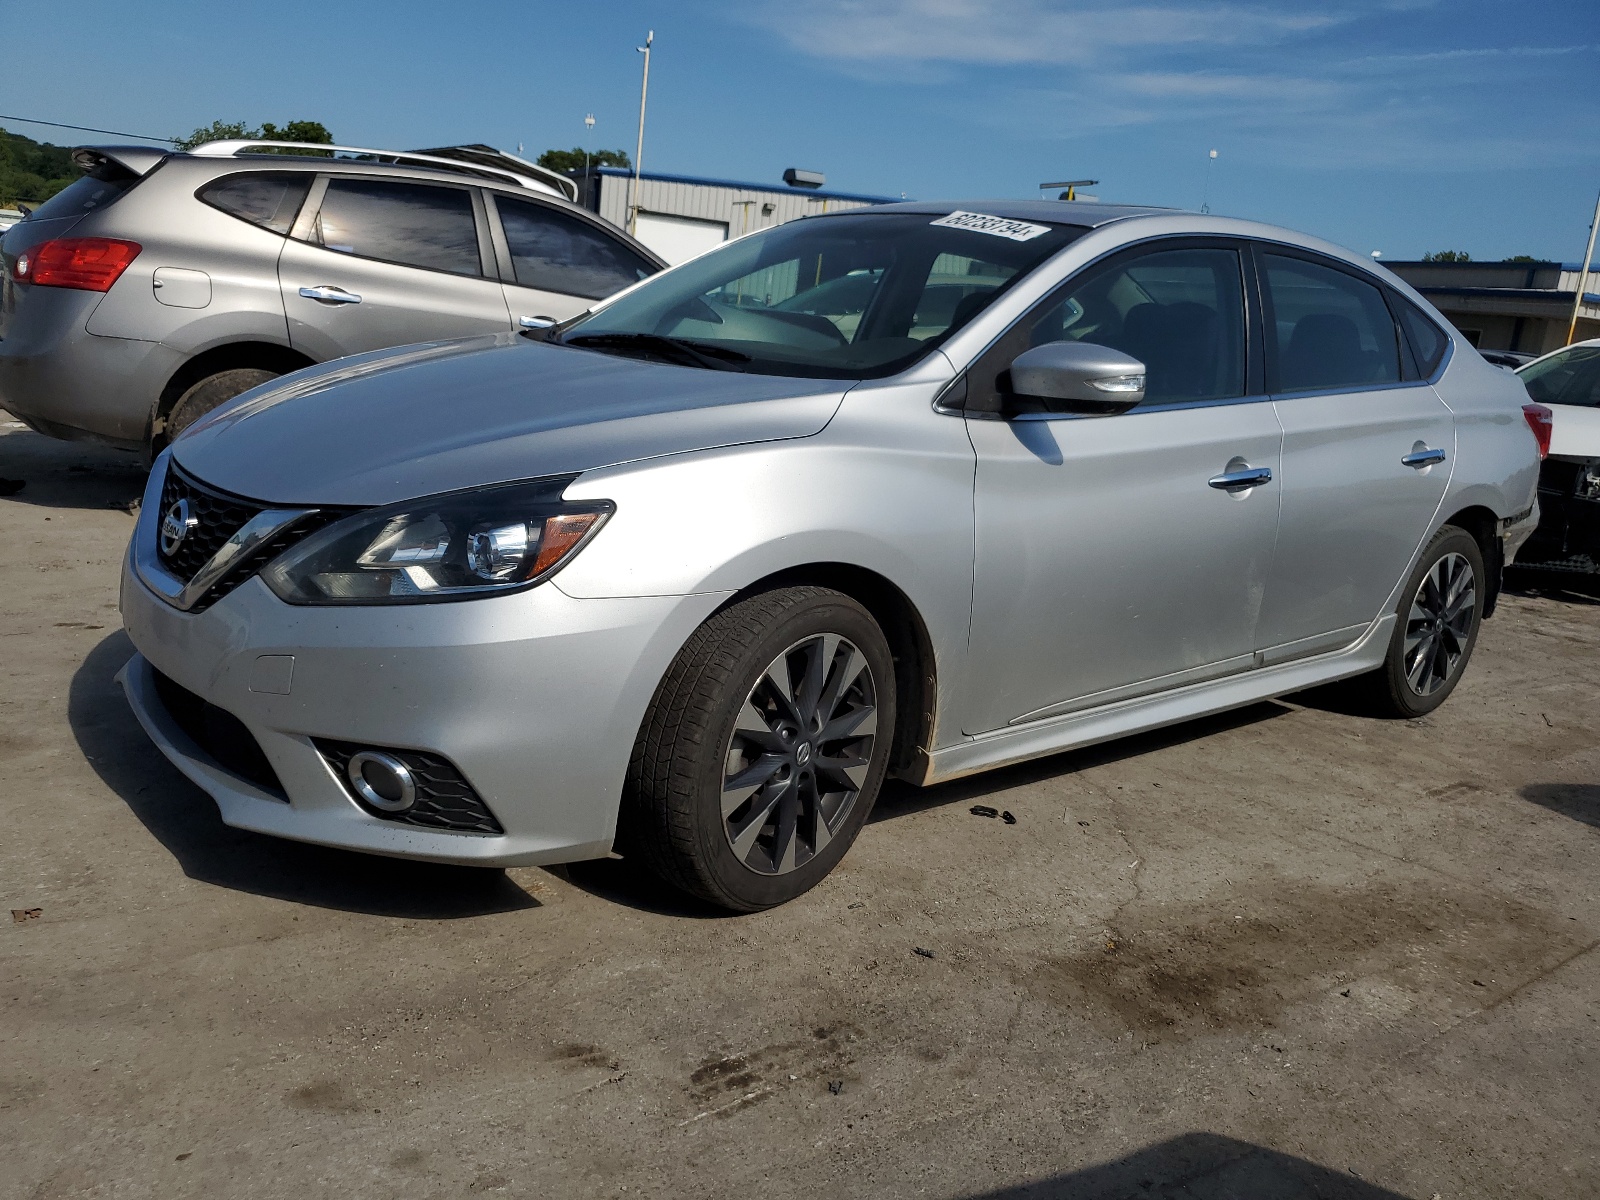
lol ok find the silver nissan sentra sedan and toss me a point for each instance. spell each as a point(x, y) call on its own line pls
point(921, 490)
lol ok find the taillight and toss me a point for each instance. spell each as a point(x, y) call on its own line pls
point(92, 264)
point(1541, 420)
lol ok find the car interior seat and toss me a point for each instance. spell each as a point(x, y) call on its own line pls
point(1324, 351)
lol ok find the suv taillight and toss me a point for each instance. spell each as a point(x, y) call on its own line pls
point(91, 264)
point(1541, 420)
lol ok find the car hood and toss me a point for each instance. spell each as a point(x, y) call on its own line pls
point(389, 426)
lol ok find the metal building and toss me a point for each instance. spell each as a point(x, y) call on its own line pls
point(681, 216)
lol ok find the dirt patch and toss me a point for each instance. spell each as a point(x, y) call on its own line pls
point(583, 1054)
point(1238, 961)
point(826, 1054)
point(325, 1096)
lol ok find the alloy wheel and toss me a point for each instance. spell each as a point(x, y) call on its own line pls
point(798, 754)
point(1439, 624)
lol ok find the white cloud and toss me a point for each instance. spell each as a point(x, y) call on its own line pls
point(987, 32)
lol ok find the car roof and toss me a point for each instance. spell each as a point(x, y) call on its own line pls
point(1058, 212)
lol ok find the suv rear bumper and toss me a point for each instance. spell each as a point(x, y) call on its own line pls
point(66, 382)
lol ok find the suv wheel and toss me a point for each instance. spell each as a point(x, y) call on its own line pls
point(1440, 611)
point(764, 749)
point(212, 392)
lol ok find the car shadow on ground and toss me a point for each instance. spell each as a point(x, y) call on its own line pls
point(1573, 587)
point(1195, 1165)
point(899, 799)
point(1580, 801)
point(185, 820)
point(57, 474)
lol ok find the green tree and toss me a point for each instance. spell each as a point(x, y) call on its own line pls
point(32, 171)
point(1447, 256)
point(228, 131)
point(573, 160)
point(1521, 258)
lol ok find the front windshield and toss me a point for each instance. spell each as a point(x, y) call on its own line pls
point(855, 296)
point(1571, 377)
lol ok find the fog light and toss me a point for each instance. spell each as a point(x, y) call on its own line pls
point(382, 781)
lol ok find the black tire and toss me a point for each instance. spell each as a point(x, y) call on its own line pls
point(212, 392)
point(698, 730)
point(1428, 654)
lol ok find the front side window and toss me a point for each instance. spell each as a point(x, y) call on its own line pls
point(1180, 312)
point(1329, 329)
point(1569, 377)
point(414, 224)
point(270, 199)
point(557, 252)
point(853, 296)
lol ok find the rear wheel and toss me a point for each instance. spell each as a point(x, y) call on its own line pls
point(1441, 608)
point(763, 750)
point(212, 392)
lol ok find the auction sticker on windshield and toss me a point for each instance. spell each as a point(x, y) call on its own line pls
point(1017, 231)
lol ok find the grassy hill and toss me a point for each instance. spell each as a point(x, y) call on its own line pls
point(31, 170)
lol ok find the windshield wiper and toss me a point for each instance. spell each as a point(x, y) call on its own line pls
point(678, 350)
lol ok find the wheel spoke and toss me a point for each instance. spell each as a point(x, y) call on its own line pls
point(774, 685)
point(846, 773)
point(739, 787)
point(844, 674)
point(783, 840)
point(743, 836)
point(859, 722)
point(1417, 662)
point(819, 652)
point(751, 726)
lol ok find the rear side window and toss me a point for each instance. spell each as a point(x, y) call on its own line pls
point(270, 199)
point(1570, 377)
point(82, 197)
point(1330, 329)
point(413, 224)
point(1427, 340)
point(556, 252)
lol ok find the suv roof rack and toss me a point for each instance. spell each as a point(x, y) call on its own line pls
point(483, 161)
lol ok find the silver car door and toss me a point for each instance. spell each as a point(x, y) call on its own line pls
point(383, 262)
point(556, 263)
point(1367, 455)
point(1122, 555)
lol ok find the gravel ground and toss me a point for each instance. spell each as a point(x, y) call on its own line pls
point(1287, 952)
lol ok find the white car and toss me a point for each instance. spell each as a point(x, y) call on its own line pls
point(1567, 382)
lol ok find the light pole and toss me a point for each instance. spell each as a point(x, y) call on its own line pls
point(1583, 273)
point(1205, 191)
point(588, 135)
point(638, 153)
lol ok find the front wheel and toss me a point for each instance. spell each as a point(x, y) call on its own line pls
point(763, 750)
point(1441, 608)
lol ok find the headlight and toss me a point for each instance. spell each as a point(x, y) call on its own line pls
point(452, 547)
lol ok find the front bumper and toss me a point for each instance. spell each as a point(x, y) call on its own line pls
point(536, 698)
point(1568, 536)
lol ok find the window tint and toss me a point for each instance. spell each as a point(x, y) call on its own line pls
point(1427, 340)
point(1570, 377)
point(416, 224)
point(270, 199)
point(1180, 312)
point(561, 253)
point(1330, 329)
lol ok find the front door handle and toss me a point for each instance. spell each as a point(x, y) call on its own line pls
point(1238, 481)
point(1424, 457)
point(330, 295)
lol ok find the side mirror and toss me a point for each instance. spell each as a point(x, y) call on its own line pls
point(1078, 377)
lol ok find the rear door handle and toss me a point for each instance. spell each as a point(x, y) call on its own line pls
point(1238, 481)
point(1425, 457)
point(330, 295)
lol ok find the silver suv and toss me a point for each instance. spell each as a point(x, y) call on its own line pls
point(160, 285)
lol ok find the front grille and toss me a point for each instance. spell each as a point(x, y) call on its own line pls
point(445, 800)
point(219, 733)
point(220, 516)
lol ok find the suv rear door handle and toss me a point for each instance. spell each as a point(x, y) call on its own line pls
point(1238, 481)
point(330, 295)
point(1425, 457)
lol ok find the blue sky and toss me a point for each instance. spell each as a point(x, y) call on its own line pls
point(1396, 125)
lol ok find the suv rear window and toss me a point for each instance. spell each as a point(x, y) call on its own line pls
point(82, 197)
point(270, 199)
point(414, 224)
